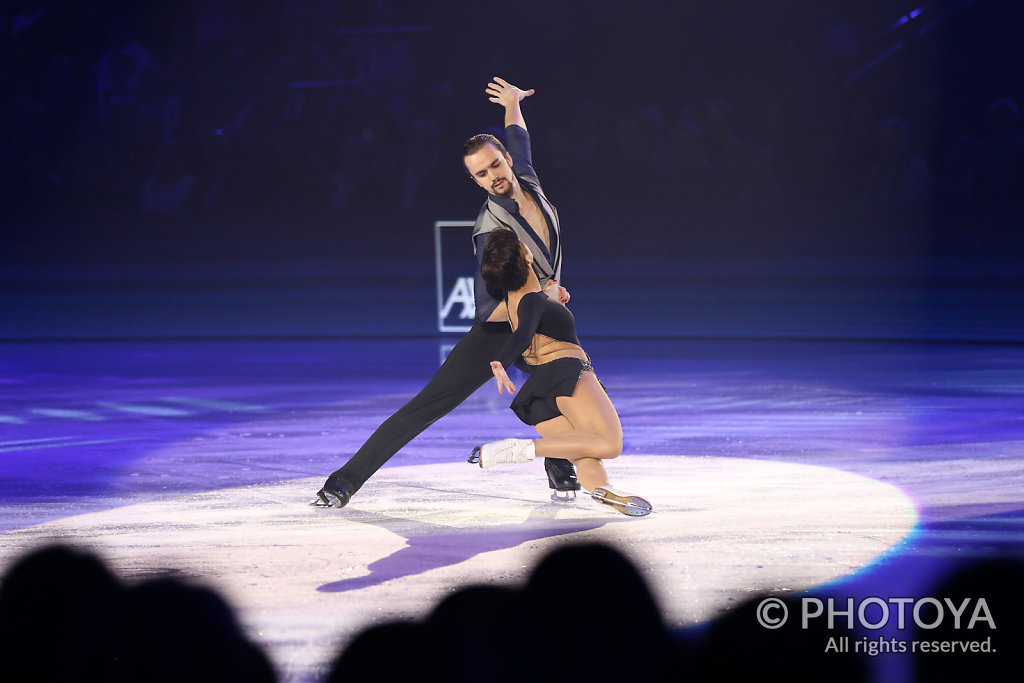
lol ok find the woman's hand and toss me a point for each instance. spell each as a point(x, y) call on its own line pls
point(556, 292)
point(503, 381)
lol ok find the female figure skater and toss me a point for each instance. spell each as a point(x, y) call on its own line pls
point(562, 397)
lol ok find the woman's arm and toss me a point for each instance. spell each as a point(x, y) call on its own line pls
point(528, 317)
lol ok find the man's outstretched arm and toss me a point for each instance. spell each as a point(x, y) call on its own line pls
point(509, 96)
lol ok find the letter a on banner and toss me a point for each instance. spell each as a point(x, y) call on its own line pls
point(456, 268)
point(462, 293)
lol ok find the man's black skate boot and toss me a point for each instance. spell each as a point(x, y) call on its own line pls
point(335, 494)
point(561, 478)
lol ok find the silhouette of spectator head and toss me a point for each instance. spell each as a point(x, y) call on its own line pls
point(395, 651)
point(172, 631)
point(481, 630)
point(989, 598)
point(56, 617)
point(737, 647)
point(617, 619)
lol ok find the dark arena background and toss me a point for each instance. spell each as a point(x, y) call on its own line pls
point(793, 236)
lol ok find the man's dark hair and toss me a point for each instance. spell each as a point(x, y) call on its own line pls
point(502, 264)
point(475, 143)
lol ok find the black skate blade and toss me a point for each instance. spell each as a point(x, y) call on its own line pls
point(325, 499)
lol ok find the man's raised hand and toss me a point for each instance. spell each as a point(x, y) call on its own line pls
point(504, 93)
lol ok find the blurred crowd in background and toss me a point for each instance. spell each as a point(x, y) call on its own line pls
point(226, 106)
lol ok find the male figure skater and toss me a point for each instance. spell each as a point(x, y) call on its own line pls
point(515, 201)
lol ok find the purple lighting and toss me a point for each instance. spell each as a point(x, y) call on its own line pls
point(910, 16)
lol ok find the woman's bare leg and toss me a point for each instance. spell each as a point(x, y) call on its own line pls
point(589, 471)
point(596, 431)
point(587, 432)
point(590, 426)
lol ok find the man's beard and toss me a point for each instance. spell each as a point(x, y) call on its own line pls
point(506, 187)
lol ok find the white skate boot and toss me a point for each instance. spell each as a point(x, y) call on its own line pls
point(504, 452)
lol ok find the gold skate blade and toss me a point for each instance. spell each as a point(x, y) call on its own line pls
point(626, 503)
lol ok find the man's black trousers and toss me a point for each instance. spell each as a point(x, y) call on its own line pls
point(465, 370)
